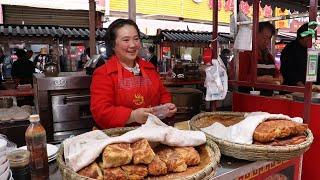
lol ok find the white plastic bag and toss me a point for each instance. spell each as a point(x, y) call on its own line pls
point(216, 81)
point(243, 41)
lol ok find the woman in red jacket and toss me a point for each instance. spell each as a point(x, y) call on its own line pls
point(125, 89)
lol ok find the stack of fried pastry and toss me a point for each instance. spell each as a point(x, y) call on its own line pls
point(279, 132)
point(126, 161)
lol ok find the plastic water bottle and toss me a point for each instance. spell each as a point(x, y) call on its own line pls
point(37, 145)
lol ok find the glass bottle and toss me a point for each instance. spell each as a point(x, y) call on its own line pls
point(37, 145)
point(19, 164)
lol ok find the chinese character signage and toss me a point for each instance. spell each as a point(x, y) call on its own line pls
point(281, 23)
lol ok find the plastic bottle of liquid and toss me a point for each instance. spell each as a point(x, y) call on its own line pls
point(37, 145)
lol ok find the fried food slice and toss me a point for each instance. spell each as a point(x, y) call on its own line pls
point(114, 174)
point(142, 152)
point(285, 141)
point(157, 167)
point(173, 160)
point(189, 154)
point(269, 130)
point(164, 154)
point(115, 155)
point(92, 171)
point(135, 172)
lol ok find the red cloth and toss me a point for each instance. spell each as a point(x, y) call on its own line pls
point(245, 66)
point(245, 59)
point(112, 102)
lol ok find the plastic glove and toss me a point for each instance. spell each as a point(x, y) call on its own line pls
point(164, 110)
point(172, 109)
point(139, 115)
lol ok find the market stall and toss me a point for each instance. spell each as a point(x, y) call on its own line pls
point(179, 50)
point(153, 147)
point(63, 43)
point(282, 104)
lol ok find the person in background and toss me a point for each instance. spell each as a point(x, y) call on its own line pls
point(124, 89)
point(6, 66)
point(63, 60)
point(2, 56)
point(85, 56)
point(226, 57)
point(266, 69)
point(29, 55)
point(153, 59)
point(23, 68)
point(41, 59)
point(294, 59)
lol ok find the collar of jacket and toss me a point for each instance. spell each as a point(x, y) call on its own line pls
point(111, 64)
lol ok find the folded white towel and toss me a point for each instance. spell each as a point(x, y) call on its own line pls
point(82, 150)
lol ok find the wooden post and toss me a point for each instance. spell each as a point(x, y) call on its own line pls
point(132, 10)
point(92, 27)
point(214, 29)
point(308, 86)
point(214, 43)
point(255, 49)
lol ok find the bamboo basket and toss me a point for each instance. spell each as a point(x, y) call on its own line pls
point(249, 152)
point(207, 172)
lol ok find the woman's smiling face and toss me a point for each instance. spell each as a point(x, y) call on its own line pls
point(127, 43)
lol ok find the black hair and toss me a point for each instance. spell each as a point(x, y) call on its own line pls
point(301, 29)
point(111, 34)
point(87, 51)
point(267, 25)
point(21, 54)
point(151, 49)
point(225, 52)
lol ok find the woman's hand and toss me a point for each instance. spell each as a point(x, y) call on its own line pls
point(172, 109)
point(139, 115)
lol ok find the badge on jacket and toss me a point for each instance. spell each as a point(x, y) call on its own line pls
point(138, 99)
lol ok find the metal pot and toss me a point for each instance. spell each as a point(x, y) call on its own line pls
point(51, 69)
point(6, 102)
point(188, 102)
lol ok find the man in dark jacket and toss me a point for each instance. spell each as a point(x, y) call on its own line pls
point(153, 58)
point(22, 69)
point(294, 59)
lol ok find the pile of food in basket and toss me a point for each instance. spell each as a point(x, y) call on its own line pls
point(138, 160)
point(153, 150)
point(255, 136)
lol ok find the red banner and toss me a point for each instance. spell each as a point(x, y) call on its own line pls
point(219, 4)
point(229, 5)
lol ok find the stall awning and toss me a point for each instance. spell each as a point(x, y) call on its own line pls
point(53, 31)
point(190, 36)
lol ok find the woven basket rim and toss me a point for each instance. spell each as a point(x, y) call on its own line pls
point(207, 170)
point(266, 148)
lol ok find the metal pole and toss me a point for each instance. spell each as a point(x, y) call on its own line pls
point(132, 10)
point(255, 30)
point(308, 86)
point(92, 27)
